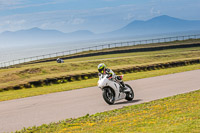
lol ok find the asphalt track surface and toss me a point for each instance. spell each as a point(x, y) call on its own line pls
point(37, 110)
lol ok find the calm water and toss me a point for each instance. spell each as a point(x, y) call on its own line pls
point(14, 53)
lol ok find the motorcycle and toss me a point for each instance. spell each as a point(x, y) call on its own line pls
point(112, 90)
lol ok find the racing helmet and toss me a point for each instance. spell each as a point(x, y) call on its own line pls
point(101, 67)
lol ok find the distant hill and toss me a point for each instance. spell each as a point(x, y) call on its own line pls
point(32, 33)
point(161, 24)
point(40, 32)
point(157, 25)
point(38, 36)
point(81, 33)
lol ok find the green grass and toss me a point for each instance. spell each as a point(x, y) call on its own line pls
point(149, 45)
point(177, 114)
point(22, 75)
point(135, 54)
point(15, 94)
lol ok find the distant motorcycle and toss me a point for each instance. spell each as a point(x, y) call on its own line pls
point(112, 90)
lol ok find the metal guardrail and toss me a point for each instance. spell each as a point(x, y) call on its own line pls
point(98, 47)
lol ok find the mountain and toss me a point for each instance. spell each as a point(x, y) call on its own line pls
point(32, 33)
point(81, 33)
point(161, 24)
point(158, 25)
point(38, 36)
point(40, 32)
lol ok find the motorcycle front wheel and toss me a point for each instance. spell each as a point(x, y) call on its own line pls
point(129, 95)
point(109, 96)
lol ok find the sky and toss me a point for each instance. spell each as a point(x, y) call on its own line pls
point(97, 16)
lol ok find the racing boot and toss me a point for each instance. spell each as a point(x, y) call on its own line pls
point(123, 87)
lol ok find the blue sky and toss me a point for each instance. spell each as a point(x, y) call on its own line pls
point(95, 15)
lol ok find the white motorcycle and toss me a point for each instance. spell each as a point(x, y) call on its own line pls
point(112, 90)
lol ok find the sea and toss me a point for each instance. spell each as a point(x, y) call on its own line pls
point(8, 53)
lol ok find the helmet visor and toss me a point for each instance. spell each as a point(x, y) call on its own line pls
point(101, 70)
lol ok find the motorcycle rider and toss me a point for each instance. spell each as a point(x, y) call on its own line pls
point(104, 70)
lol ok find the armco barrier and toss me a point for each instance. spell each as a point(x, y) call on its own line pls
point(97, 48)
point(154, 48)
point(85, 76)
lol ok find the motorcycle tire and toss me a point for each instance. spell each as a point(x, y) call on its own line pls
point(109, 96)
point(129, 95)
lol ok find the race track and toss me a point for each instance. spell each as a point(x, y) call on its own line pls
point(37, 110)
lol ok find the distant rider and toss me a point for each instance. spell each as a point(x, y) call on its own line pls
point(59, 60)
point(103, 70)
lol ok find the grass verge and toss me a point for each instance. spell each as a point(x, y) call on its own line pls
point(178, 114)
point(15, 94)
point(35, 72)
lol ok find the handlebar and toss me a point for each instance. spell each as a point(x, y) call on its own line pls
point(107, 76)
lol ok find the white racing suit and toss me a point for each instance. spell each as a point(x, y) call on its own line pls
point(110, 73)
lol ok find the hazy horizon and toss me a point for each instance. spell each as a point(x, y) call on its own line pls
point(98, 16)
point(89, 30)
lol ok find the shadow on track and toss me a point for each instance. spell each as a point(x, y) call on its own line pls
point(127, 102)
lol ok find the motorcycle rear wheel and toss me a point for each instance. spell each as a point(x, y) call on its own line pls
point(129, 95)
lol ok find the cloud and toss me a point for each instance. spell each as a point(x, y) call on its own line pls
point(12, 25)
point(129, 16)
point(19, 4)
point(109, 0)
point(4, 4)
point(104, 19)
point(10, 2)
point(76, 21)
point(97, 20)
point(155, 12)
